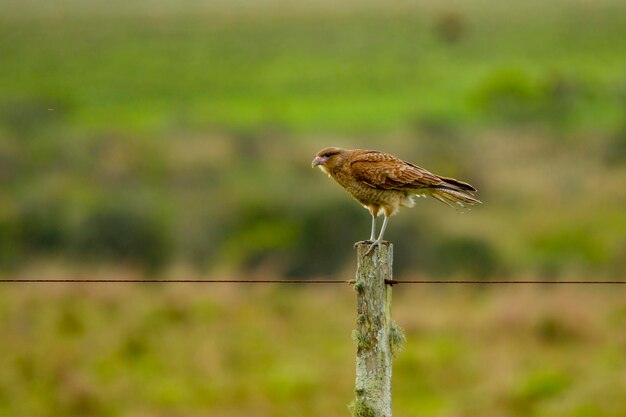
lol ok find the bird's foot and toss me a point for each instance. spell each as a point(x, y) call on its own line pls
point(374, 244)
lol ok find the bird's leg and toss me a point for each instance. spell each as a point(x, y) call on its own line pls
point(373, 234)
point(382, 230)
point(380, 236)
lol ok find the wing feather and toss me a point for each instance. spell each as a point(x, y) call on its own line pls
point(383, 171)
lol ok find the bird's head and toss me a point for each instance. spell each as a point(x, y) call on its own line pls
point(328, 158)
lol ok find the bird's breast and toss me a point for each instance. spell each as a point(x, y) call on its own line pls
point(389, 200)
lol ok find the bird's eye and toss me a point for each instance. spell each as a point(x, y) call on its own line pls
point(327, 155)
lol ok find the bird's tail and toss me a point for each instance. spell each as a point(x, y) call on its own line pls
point(454, 193)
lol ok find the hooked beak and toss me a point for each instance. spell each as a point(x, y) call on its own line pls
point(319, 160)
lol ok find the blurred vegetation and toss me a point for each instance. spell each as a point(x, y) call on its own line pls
point(111, 350)
point(179, 135)
point(174, 139)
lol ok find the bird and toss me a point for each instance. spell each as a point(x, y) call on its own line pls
point(382, 183)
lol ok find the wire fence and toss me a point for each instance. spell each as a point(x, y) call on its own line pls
point(308, 281)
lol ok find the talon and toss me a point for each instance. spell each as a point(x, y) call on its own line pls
point(375, 243)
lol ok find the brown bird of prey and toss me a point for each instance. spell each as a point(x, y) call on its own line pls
point(383, 183)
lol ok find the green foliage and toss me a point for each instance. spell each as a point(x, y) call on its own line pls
point(573, 244)
point(259, 234)
point(27, 115)
point(615, 152)
point(539, 386)
point(511, 95)
point(43, 227)
point(466, 256)
point(171, 350)
point(515, 96)
point(187, 142)
point(115, 234)
point(362, 341)
point(358, 408)
point(552, 330)
point(345, 72)
point(322, 231)
point(397, 339)
point(9, 238)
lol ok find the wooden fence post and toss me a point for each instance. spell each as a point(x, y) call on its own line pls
point(377, 337)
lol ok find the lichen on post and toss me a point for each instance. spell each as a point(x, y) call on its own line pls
point(373, 334)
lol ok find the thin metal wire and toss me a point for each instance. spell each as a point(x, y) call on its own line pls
point(306, 281)
point(187, 281)
point(504, 282)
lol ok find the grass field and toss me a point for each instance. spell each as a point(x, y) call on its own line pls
point(322, 69)
point(176, 350)
point(174, 139)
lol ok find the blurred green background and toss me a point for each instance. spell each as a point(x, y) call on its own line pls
point(174, 138)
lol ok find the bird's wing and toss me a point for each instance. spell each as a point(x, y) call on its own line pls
point(384, 171)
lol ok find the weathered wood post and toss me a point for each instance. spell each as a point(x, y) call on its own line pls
point(377, 337)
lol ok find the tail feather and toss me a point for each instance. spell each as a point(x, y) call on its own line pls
point(456, 184)
point(450, 191)
point(454, 198)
